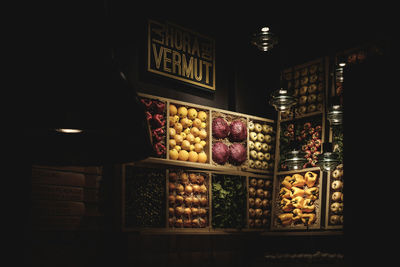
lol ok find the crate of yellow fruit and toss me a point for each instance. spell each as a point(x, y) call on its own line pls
point(188, 138)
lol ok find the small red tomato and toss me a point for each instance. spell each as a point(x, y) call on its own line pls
point(307, 125)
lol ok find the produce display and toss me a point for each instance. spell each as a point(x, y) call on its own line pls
point(261, 145)
point(307, 81)
point(144, 197)
point(229, 139)
point(260, 192)
point(297, 200)
point(228, 201)
point(188, 134)
point(156, 116)
point(335, 201)
point(309, 136)
point(188, 199)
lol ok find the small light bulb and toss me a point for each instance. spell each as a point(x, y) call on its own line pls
point(68, 131)
point(342, 64)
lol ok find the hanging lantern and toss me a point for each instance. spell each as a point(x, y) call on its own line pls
point(264, 39)
point(335, 115)
point(328, 161)
point(283, 99)
point(295, 160)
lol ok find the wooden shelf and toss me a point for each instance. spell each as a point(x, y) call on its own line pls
point(188, 231)
point(238, 170)
point(311, 114)
point(297, 171)
point(209, 165)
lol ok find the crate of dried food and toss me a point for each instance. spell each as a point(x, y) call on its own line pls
point(296, 200)
point(308, 81)
point(259, 202)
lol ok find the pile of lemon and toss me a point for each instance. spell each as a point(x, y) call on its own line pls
point(187, 134)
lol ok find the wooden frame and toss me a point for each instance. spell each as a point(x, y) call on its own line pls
point(209, 164)
point(325, 63)
point(328, 202)
point(275, 201)
point(170, 230)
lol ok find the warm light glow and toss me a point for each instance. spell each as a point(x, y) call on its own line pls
point(342, 64)
point(69, 131)
point(264, 29)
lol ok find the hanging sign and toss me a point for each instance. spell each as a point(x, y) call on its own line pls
point(181, 54)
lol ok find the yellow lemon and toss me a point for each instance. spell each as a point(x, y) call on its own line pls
point(190, 138)
point(193, 156)
point(202, 157)
point(185, 122)
point(178, 128)
point(195, 131)
point(182, 112)
point(172, 110)
point(202, 115)
point(172, 142)
point(198, 147)
point(178, 139)
point(172, 132)
point(173, 154)
point(197, 122)
point(192, 113)
point(186, 145)
point(203, 134)
point(183, 155)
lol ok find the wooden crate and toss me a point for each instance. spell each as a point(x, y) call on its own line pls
point(338, 224)
point(174, 217)
point(268, 188)
point(276, 200)
point(310, 82)
point(271, 145)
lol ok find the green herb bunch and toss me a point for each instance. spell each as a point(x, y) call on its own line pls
point(228, 201)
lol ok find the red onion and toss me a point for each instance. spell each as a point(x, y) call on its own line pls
point(238, 153)
point(220, 128)
point(220, 153)
point(238, 131)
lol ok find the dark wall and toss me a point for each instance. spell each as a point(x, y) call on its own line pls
point(244, 75)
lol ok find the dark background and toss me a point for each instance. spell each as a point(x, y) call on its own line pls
point(62, 39)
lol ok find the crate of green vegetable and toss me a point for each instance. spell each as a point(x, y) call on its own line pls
point(229, 202)
point(144, 197)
